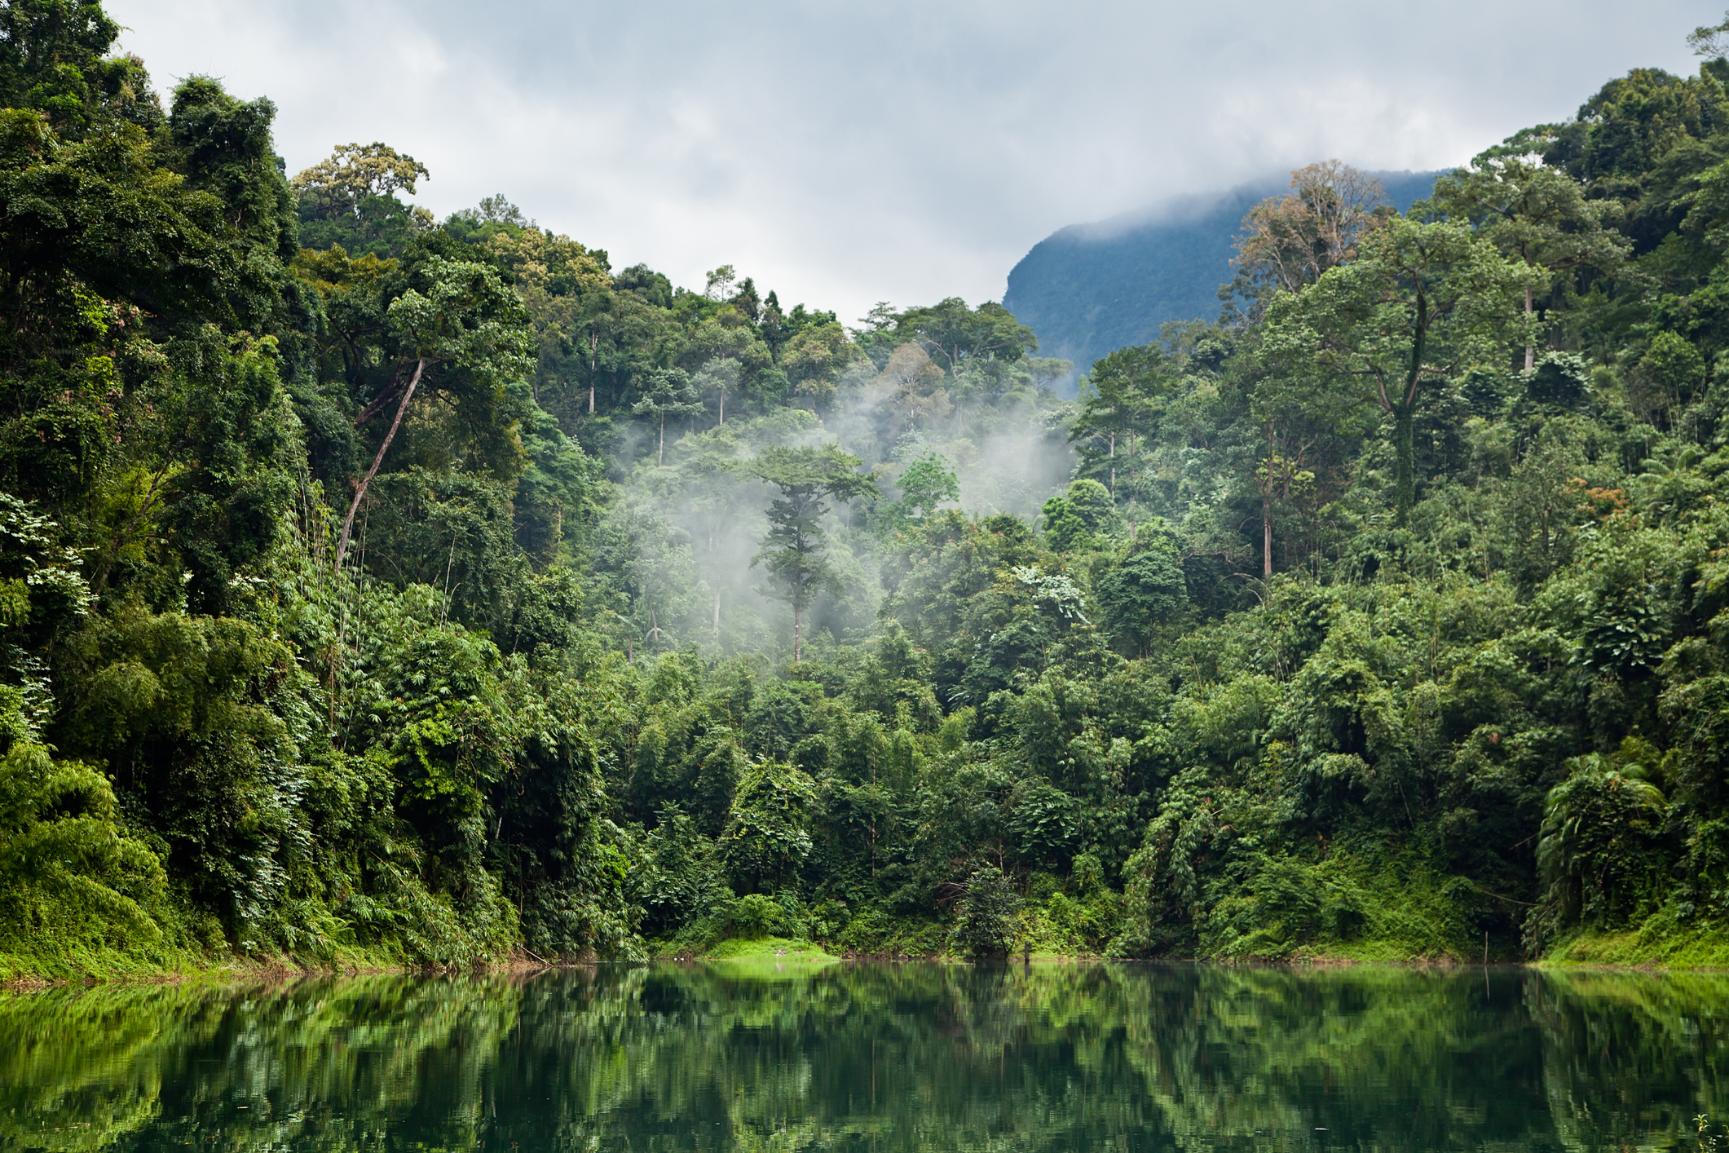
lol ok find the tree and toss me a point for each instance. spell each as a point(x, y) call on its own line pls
point(1710, 41)
point(1308, 421)
point(814, 357)
point(77, 876)
point(985, 928)
point(1534, 212)
point(1290, 241)
point(1080, 516)
point(719, 379)
point(795, 548)
point(54, 59)
point(720, 282)
point(1596, 851)
point(768, 828)
point(1419, 304)
point(1666, 378)
point(1121, 401)
point(667, 392)
point(925, 484)
point(460, 324)
point(772, 325)
point(225, 148)
point(620, 336)
point(1144, 589)
point(747, 300)
point(953, 334)
point(352, 198)
point(557, 279)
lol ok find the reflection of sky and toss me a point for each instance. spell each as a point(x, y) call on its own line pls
point(896, 149)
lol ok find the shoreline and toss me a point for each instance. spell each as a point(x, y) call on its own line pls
point(803, 956)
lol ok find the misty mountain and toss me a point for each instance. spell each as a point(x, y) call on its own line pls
point(1090, 289)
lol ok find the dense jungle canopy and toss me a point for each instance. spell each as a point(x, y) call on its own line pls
point(380, 588)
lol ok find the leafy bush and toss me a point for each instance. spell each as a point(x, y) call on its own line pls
point(988, 920)
point(755, 915)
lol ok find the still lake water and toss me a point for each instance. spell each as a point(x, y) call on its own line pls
point(874, 1057)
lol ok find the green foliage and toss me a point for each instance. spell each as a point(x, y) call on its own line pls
point(351, 199)
point(1419, 303)
point(1144, 590)
point(986, 926)
point(1080, 518)
point(794, 550)
point(755, 916)
point(80, 889)
point(1601, 853)
point(925, 485)
point(767, 834)
point(346, 617)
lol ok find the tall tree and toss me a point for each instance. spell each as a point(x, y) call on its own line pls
point(953, 334)
point(795, 550)
point(719, 379)
point(1308, 420)
point(1419, 304)
point(353, 198)
point(457, 328)
point(1120, 401)
point(1535, 213)
point(619, 336)
point(1290, 241)
point(667, 392)
point(925, 484)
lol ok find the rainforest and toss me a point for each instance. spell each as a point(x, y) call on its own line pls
point(378, 590)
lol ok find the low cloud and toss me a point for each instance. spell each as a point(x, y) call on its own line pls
point(897, 150)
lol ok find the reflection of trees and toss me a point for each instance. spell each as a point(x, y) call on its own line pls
point(312, 1065)
point(77, 1072)
point(1375, 1059)
point(1623, 1057)
point(884, 1058)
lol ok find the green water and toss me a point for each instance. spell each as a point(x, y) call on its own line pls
point(912, 1057)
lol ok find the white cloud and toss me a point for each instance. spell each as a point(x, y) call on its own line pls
point(901, 150)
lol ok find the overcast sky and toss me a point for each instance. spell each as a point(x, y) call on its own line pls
point(899, 150)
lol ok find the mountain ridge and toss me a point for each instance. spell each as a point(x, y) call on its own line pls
point(1090, 288)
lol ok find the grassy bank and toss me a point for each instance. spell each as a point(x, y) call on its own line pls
point(1655, 945)
point(25, 970)
point(1658, 943)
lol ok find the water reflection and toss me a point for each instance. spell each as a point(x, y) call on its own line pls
point(881, 1058)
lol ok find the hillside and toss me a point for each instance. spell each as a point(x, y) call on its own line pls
point(1090, 289)
point(381, 590)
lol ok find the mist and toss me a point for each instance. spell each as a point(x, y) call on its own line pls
point(696, 524)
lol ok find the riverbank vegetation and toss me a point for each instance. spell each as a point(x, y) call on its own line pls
point(379, 589)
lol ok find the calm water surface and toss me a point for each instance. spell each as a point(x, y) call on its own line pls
point(911, 1057)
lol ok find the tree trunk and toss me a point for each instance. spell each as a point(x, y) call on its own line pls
point(1530, 349)
point(593, 350)
point(1404, 417)
point(377, 459)
point(1113, 459)
point(797, 630)
point(660, 444)
point(722, 419)
point(1405, 452)
point(1266, 536)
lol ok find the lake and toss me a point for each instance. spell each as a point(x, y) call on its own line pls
point(874, 1057)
